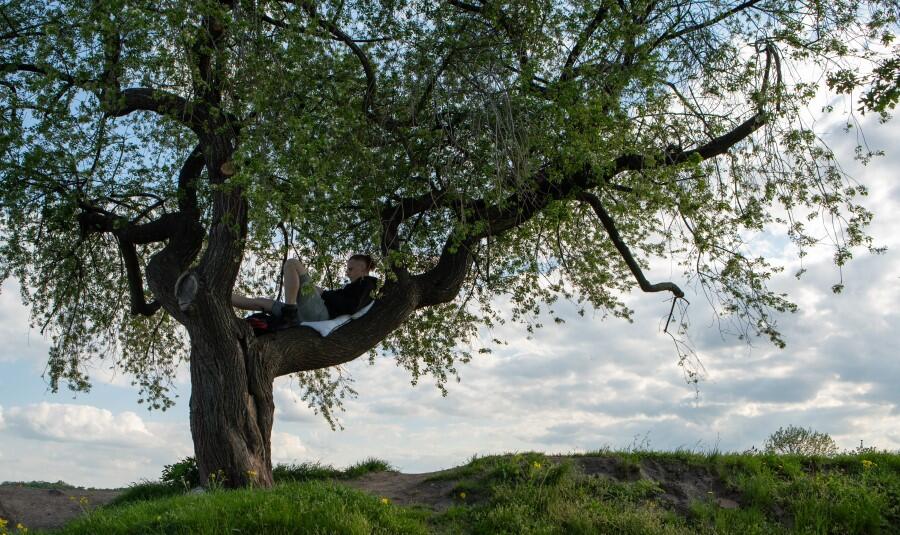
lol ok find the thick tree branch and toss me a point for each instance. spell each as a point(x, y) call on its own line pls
point(187, 181)
point(442, 283)
point(623, 249)
point(139, 303)
point(471, 8)
point(717, 146)
point(207, 44)
point(304, 349)
point(122, 103)
point(185, 240)
point(194, 116)
point(180, 229)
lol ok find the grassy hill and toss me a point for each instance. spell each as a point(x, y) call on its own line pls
point(605, 492)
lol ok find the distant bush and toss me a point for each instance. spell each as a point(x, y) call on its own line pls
point(800, 441)
point(40, 484)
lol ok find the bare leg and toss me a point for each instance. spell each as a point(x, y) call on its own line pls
point(251, 303)
point(292, 270)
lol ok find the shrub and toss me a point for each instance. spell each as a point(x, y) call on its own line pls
point(800, 441)
point(182, 474)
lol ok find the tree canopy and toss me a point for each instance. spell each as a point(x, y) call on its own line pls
point(499, 155)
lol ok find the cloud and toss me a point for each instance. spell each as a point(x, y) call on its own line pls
point(2, 421)
point(288, 405)
point(79, 423)
point(287, 448)
point(86, 445)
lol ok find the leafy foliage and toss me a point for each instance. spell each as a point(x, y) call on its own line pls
point(684, 119)
point(183, 474)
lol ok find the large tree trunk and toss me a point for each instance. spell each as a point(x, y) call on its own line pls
point(231, 401)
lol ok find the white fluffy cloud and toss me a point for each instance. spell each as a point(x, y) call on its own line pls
point(79, 423)
point(2, 421)
point(287, 448)
point(86, 445)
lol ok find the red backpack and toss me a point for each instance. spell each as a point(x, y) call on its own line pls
point(262, 323)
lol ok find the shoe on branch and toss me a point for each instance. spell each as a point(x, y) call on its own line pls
point(288, 317)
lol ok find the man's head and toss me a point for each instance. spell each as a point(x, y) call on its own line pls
point(359, 266)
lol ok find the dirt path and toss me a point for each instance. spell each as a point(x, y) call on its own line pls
point(407, 489)
point(48, 508)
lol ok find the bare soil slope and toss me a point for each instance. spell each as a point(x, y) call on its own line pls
point(49, 508)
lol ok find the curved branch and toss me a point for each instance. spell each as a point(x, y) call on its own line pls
point(303, 349)
point(334, 30)
point(668, 36)
point(147, 99)
point(185, 240)
point(717, 146)
point(623, 249)
point(120, 103)
point(442, 283)
point(139, 303)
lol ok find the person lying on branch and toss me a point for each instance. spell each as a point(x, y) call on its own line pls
point(303, 301)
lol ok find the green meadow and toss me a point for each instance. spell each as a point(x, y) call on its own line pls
point(602, 492)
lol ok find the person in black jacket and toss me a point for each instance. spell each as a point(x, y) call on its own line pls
point(303, 301)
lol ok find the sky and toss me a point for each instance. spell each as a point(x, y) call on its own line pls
point(585, 385)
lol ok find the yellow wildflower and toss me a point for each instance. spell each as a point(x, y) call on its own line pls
point(868, 465)
point(537, 465)
point(3, 522)
point(462, 495)
point(385, 501)
point(251, 474)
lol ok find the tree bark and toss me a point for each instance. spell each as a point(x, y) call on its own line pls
point(231, 408)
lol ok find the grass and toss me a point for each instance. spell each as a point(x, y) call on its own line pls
point(282, 473)
point(314, 507)
point(318, 471)
point(530, 493)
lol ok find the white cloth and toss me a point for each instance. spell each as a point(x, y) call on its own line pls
point(326, 327)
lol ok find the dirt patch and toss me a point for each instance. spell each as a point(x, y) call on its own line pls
point(407, 489)
point(684, 483)
point(49, 508)
point(681, 482)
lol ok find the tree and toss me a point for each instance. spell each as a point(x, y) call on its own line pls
point(535, 150)
point(799, 441)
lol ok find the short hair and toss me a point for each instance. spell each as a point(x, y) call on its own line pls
point(366, 259)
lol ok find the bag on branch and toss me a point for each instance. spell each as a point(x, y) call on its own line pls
point(263, 323)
